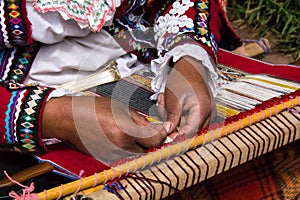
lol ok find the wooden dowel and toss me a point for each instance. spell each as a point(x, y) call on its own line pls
point(27, 174)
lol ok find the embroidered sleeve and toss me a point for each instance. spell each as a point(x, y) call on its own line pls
point(21, 107)
point(187, 21)
point(21, 111)
point(15, 28)
point(186, 28)
point(16, 62)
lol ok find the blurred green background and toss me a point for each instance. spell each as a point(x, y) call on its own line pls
point(278, 20)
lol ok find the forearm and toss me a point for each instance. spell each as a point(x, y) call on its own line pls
point(99, 126)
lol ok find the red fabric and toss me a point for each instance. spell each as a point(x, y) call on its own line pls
point(254, 66)
point(215, 21)
point(5, 97)
point(229, 37)
point(27, 22)
point(72, 160)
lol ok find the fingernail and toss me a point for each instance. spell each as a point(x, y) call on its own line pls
point(173, 135)
point(167, 126)
point(160, 102)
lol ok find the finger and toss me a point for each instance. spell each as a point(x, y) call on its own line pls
point(173, 135)
point(161, 99)
point(162, 112)
point(155, 140)
point(188, 129)
point(146, 134)
point(191, 127)
point(161, 106)
point(173, 111)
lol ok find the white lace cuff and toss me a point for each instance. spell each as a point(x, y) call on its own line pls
point(160, 67)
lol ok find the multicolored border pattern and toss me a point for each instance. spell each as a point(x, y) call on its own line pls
point(22, 117)
point(15, 26)
point(16, 62)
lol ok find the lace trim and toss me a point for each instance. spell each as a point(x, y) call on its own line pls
point(92, 14)
point(160, 67)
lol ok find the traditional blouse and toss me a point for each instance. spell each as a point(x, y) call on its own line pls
point(37, 38)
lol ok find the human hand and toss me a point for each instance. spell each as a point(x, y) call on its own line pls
point(187, 101)
point(104, 128)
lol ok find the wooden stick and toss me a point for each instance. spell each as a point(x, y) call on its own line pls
point(165, 153)
point(27, 174)
point(107, 75)
point(87, 191)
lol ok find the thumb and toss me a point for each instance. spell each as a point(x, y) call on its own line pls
point(172, 110)
point(171, 123)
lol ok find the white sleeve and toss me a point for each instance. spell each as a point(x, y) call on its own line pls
point(160, 67)
point(50, 27)
point(73, 58)
point(91, 14)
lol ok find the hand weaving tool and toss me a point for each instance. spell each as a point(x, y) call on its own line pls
point(108, 74)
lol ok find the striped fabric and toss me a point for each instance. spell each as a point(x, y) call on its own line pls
point(273, 176)
point(209, 160)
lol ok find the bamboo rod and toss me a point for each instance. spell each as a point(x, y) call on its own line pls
point(165, 153)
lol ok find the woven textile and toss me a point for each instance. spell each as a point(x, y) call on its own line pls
point(178, 172)
point(273, 176)
point(24, 108)
point(209, 160)
point(15, 26)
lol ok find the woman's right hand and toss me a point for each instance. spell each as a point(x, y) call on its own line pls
point(104, 128)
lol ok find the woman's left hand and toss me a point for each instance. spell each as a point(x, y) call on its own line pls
point(187, 101)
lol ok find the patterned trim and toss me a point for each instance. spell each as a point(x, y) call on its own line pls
point(128, 43)
point(184, 22)
point(92, 14)
point(201, 22)
point(21, 116)
point(133, 32)
point(16, 62)
point(15, 26)
point(28, 124)
point(10, 138)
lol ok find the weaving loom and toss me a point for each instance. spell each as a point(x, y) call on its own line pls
point(176, 167)
point(215, 157)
